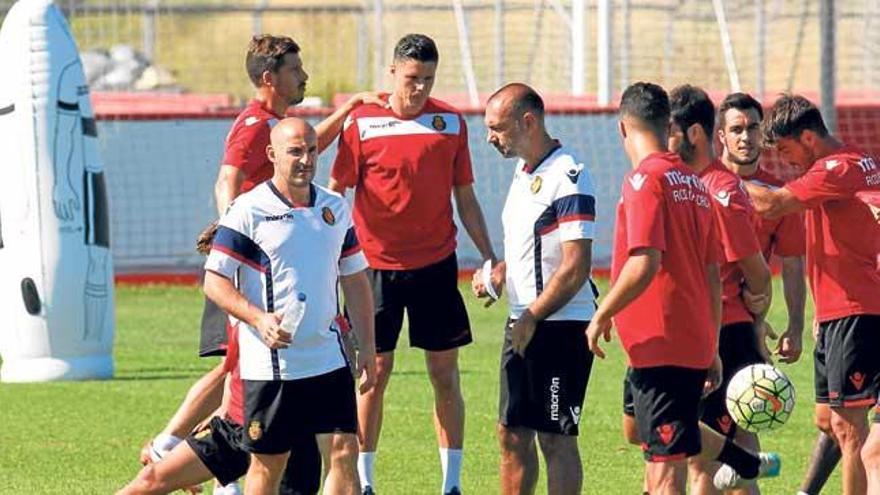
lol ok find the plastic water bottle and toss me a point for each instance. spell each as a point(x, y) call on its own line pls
point(293, 314)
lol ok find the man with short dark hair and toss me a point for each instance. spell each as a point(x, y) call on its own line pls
point(665, 300)
point(838, 192)
point(743, 266)
point(548, 223)
point(404, 161)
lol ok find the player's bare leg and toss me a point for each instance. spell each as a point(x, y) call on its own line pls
point(565, 473)
point(179, 469)
point(631, 434)
point(667, 478)
point(519, 460)
point(448, 413)
point(825, 456)
point(702, 471)
point(264, 473)
point(370, 411)
point(871, 459)
point(850, 427)
point(339, 452)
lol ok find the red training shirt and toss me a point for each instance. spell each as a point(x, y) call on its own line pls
point(783, 236)
point(736, 225)
point(403, 172)
point(843, 235)
point(246, 144)
point(664, 205)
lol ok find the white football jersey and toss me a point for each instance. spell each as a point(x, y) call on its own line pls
point(546, 206)
point(279, 253)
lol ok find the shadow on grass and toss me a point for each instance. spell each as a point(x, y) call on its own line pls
point(147, 377)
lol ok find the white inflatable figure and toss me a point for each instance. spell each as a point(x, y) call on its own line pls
point(56, 287)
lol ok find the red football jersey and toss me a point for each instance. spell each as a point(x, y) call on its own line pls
point(736, 225)
point(664, 205)
point(783, 236)
point(235, 407)
point(843, 235)
point(403, 172)
point(246, 144)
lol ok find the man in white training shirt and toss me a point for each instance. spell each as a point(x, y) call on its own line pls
point(274, 265)
point(548, 231)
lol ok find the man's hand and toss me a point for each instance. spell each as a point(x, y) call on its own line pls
point(757, 304)
point(65, 200)
point(764, 331)
point(521, 332)
point(206, 238)
point(366, 370)
point(369, 97)
point(497, 278)
point(145, 457)
point(790, 346)
point(269, 326)
point(714, 376)
point(599, 326)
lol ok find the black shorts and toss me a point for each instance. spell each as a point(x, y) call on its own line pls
point(846, 362)
point(277, 412)
point(437, 317)
point(738, 348)
point(666, 401)
point(213, 338)
point(218, 446)
point(629, 406)
point(545, 389)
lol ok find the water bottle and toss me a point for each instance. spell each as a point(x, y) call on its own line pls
point(293, 314)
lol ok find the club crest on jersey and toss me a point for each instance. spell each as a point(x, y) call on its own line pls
point(637, 181)
point(574, 172)
point(438, 123)
point(327, 215)
point(202, 434)
point(255, 430)
point(537, 182)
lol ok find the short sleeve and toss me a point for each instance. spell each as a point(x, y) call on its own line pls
point(825, 181)
point(735, 224)
point(575, 204)
point(346, 166)
point(462, 172)
point(351, 257)
point(233, 245)
point(645, 219)
point(790, 237)
point(246, 146)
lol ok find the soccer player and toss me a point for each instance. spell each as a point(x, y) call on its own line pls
point(743, 266)
point(739, 121)
point(548, 234)
point(285, 300)
point(666, 302)
point(404, 161)
point(275, 68)
point(843, 251)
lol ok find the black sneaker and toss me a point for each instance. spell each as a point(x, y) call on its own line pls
point(454, 491)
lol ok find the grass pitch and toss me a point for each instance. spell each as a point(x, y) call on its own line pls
point(83, 438)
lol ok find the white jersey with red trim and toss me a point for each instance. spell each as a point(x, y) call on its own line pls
point(547, 205)
point(279, 254)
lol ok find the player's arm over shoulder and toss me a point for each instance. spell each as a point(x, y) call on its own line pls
point(774, 203)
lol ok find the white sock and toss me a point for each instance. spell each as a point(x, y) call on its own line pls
point(162, 444)
point(802, 493)
point(366, 463)
point(450, 460)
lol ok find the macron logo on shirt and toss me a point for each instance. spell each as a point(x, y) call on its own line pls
point(723, 197)
point(832, 164)
point(251, 121)
point(637, 181)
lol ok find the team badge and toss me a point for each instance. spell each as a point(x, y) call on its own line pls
point(202, 434)
point(438, 123)
point(327, 215)
point(536, 184)
point(255, 431)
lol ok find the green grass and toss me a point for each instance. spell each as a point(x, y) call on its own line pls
point(84, 437)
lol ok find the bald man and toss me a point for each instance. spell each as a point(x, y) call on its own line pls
point(548, 234)
point(285, 243)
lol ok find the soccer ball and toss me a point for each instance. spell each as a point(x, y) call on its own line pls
point(760, 398)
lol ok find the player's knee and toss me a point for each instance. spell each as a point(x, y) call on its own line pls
point(557, 446)
point(147, 482)
point(871, 454)
point(513, 441)
point(823, 423)
point(344, 451)
point(848, 428)
point(384, 366)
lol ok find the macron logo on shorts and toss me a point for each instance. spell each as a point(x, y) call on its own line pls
point(554, 398)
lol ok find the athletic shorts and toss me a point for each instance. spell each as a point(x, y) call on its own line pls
point(629, 407)
point(213, 339)
point(276, 412)
point(666, 401)
point(437, 317)
point(218, 446)
point(545, 390)
point(738, 348)
point(846, 361)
